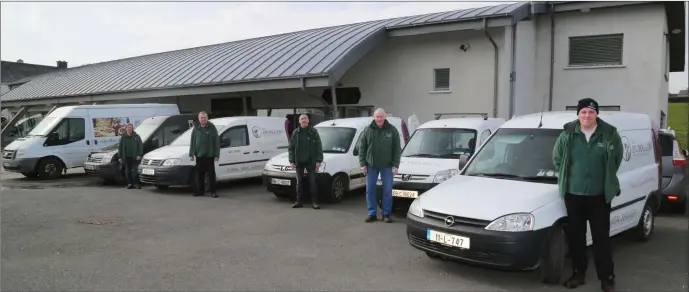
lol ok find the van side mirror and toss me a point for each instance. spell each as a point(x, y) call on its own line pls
point(355, 152)
point(53, 136)
point(685, 152)
point(463, 159)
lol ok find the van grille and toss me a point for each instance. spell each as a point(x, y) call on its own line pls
point(458, 220)
point(154, 162)
point(8, 154)
point(94, 159)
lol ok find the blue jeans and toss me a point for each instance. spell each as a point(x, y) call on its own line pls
point(371, 197)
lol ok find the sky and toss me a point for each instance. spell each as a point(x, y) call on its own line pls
point(91, 32)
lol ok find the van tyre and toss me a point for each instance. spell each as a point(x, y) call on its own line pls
point(339, 187)
point(644, 229)
point(553, 258)
point(50, 168)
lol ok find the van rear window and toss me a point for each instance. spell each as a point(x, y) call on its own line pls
point(666, 144)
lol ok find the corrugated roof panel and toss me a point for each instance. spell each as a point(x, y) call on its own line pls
point(313, 52)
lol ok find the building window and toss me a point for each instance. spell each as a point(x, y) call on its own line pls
point(441, 79)
point(608, 108)
point(598, 50)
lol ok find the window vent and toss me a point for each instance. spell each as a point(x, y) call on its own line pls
point(441, 79)
point(596, 50)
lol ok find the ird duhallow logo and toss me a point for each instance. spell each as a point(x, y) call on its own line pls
point(449, 220)
point(627, 151)
point(256, 131)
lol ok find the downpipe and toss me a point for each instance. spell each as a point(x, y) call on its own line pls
point(552, 56)
point(495, 68)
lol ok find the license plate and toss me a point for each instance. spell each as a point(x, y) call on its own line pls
point(405, 194)
point(90, 167)
point(282, 182)
point(448, 239)
point(147, 171)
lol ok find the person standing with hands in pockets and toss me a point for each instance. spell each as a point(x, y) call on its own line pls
point(305, 152)
point(205, 150)
point(131, 149)
point(380, 151)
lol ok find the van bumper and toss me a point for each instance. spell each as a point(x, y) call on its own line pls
point(496, 249)
point(420, 188)
point(110, 171)
point(177, 175)
point(324, 182)
point(21, 165)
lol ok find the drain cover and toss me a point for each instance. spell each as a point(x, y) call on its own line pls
point(101, 219)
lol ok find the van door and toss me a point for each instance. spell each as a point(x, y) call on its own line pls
point(236, 157)
point(356, 177)
point(68, 140)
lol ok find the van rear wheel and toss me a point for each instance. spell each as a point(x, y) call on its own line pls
point(644, 229)
point(553, 259)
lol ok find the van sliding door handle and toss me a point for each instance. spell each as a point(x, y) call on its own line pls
point(246, 152)
point(95, 142)
point(256, 151)
point(88, 142)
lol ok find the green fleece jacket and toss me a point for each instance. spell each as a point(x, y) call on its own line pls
point(131, 146)
point(603, 158)
point(380, 147)
point(205, 141)
point(305, 146)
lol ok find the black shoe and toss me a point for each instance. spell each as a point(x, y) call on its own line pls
point(577, 279)
point(371, 218)
point(315, 206)
point(214, 195)
point(387, 219)
point(607, 285)
point(129, 187)
point(297, 205)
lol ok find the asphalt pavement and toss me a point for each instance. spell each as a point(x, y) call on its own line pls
point(74, 234)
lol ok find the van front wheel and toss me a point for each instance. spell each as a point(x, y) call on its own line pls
point(338, 190)
point(553, 259)
point(49, 168)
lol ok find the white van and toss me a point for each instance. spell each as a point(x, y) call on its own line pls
point(65, 137)
point(433, 152)
point(504, 209)
point(246, 143)
point(340, 171)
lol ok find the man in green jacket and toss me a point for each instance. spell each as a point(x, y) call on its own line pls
point(380, 152)
point(305, 152)
point(131, 149)
point(587, 155)
point(205, 150)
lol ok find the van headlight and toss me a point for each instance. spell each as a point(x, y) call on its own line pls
point(171, 162)
point(512, 223)
point(267, 166)
point(415, 208)
point(19, 153)
point(444, 175)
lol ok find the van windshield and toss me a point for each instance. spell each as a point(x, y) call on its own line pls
point(336, 139)
point(523, 154)
point(441, 143)
point(45, 126)
point(185, 139)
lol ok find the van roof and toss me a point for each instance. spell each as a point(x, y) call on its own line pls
point(227, 120)
point(132, 105)
point(350, 122)
point(460, 123)
point(557, 119)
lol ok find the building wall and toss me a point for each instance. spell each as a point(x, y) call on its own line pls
point(398, 75)
point(639, 85)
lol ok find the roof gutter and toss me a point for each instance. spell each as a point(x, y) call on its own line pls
point(484, 28)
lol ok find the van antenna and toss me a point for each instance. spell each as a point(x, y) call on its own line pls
point(540, 122)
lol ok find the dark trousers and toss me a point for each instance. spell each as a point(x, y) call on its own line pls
point(130, 170)
point(597, 211)
point(205, 166)
point(311, 176)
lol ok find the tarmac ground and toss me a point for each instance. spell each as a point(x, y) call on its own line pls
point(76, 234)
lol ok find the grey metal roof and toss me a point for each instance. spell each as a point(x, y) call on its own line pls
point(309, 53)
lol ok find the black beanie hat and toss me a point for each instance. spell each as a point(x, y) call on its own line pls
point(587, 102)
